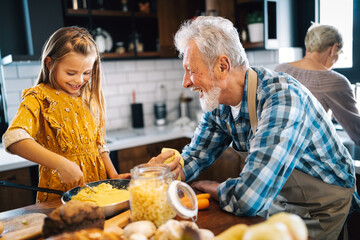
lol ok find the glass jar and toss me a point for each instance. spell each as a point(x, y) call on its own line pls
point(154, 196)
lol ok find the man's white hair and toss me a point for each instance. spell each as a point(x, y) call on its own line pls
point(213, 36)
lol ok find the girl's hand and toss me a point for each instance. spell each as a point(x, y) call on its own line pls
point(122, 176)
point(70, 173)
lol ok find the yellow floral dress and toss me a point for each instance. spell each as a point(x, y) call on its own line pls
point(62, 124)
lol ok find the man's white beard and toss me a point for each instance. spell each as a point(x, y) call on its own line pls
point(210, 100)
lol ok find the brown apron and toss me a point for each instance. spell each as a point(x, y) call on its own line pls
point(324, 207)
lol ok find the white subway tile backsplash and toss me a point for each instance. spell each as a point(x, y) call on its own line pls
point(137, 77)
point(127, 89)
point(177, 63)
point(261, 57)
point(174, 74)
point(117, 100)
point(10, 71)
point(109, 67)
point(110, 90)
point(12, 111)
point(31, 70)
point(18, 84)
point(125, 66)
point(145, 97)
point(144, 65)
point(121, 78)
point(13, 98)
point(146, 87)
point(163, 64)
point(154, 76)
point(115, 78)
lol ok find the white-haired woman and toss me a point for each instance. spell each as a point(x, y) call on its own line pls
point(333, 90)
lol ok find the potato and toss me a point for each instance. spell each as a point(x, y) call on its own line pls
point(1, 227)
point(145, 228)
point(233, 233)
point(295, 224)
point(170, 159)
point(267, 231)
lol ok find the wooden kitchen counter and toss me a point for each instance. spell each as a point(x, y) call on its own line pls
point(212, 218)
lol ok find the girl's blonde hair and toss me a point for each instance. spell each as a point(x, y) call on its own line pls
point(68, 40)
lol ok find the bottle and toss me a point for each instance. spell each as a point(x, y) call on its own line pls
point(160, 106)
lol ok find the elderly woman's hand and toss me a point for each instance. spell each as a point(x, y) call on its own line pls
point(175, 166)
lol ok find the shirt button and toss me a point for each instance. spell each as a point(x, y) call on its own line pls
point(237, 125)
point(224, 115)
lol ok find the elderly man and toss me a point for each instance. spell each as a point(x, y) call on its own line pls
point(295, 163)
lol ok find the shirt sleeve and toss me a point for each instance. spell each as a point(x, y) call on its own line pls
point(25, 123)
point(344, 108)
point(273, 154)
point(208, 143)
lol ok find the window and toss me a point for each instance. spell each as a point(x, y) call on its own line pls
point(340, 15)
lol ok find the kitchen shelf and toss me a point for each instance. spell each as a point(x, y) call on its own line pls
point(108, 13)
point(251, 45)
point(113, 55)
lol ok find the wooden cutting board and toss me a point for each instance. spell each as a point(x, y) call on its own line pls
point(115, 224)
point(27, 226)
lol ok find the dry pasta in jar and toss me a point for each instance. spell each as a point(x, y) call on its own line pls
point(148, 193)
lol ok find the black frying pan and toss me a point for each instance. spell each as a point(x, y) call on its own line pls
point(109, 210)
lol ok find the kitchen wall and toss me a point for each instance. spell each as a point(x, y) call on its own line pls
point(144, 76)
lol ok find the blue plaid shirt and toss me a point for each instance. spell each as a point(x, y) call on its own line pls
point(293, 131)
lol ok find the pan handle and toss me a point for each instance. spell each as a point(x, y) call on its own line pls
point(40, 189)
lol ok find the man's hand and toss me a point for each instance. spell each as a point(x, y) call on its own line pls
point(208, 187)
point(175, 166)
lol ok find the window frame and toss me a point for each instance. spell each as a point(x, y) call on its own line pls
point(353, 73)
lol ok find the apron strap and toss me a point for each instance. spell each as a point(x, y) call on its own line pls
point(252, 87)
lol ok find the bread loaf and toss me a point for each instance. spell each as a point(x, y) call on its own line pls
point(89, 234)
point(72, 216)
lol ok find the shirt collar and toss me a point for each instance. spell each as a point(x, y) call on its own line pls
point(225, 110)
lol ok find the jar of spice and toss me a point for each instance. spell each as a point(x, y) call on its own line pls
point(120, 49)
point(154, 196)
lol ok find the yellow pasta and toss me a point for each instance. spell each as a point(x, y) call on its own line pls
point(105, 195)
point(149, 202)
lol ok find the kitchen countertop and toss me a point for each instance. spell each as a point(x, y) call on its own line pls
point(117, 140)
point(127, 138)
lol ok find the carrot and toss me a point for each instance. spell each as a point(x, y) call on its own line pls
point(203, 195)
point(203, 201)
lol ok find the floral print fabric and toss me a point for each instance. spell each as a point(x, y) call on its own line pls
point(62, 124)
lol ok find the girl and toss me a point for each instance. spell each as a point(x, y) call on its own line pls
point(60, 123)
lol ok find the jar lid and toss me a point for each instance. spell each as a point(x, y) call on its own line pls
point(182, 200)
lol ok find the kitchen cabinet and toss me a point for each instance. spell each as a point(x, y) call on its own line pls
point(285, 21)
point(143, 33)
point(228, 165)
point(25, 25)
point(11, 198)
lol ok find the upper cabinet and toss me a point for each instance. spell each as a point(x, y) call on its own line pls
point(271, 24)
point(121, 28)
point(131, 28)
point(25, 25)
